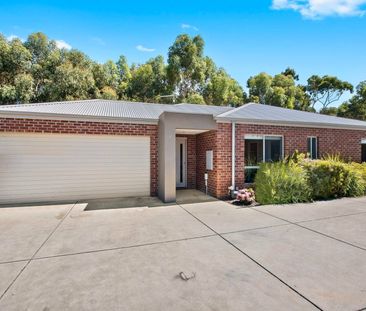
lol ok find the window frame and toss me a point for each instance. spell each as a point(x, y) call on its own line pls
point(311, 147)
point(263, 138)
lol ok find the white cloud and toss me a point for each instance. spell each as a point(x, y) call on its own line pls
point(142, 48)
point(320, 8)
point(12, 37)
point(61, 44)
point(188, 26)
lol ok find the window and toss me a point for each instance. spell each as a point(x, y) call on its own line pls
point(363, 150)
point(313, 147)
point(267, 148)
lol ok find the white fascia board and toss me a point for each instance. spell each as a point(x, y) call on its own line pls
point(70, 117)
point(290, 123)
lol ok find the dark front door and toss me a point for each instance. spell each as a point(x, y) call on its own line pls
point(363, 157)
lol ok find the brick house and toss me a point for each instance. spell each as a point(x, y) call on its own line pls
point(101, 148)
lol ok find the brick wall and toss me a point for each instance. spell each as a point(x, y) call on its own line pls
point(330, 141)
point(219, 179)
point(206, 141)
point(223, 159)
point(191, 160)
point(92, 128)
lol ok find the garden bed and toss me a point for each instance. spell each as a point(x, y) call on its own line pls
point(298, 179)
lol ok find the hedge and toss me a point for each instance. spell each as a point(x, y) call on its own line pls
point(303, 180)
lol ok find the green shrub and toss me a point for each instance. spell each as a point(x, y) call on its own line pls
point(281, 182)
point(332, 178)
point(360, 170)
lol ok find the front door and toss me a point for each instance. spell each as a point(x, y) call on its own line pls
point(363, 156)
point(181, 162)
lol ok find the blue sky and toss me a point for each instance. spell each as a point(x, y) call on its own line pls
point(245, 37)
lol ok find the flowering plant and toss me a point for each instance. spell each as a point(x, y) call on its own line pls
point(246, 196)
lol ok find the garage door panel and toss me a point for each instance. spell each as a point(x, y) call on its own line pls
point(46, 167)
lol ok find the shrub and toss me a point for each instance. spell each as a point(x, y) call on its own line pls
point(246, 196)
point(282, 182)
point(332, 178)
point(360, 169)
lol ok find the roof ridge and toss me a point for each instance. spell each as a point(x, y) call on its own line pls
point(226, 113)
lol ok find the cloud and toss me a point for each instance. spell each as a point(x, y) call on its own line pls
point(12, 37)
point(315, 9)
point(188, 26)
point(98, 40)
point(142, 48)
point(61, 44)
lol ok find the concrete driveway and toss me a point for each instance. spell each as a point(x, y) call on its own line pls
point(295, 257)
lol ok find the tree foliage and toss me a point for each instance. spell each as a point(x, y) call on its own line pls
point(38, 71)
point(279, 90)
point(326, 90)
point(355, 108)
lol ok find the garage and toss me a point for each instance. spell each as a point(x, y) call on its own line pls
point(55, 167)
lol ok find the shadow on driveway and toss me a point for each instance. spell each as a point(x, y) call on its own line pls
point(184, 196)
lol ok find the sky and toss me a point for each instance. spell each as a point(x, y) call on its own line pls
point(244, 37)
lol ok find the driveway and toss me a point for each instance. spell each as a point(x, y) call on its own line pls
point(295, 257)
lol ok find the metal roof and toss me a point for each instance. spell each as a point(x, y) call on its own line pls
point(265, 114)
point(144, 112)
point(109, 109)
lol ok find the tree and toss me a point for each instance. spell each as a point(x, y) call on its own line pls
point(279, 90)
point(23, 84)
point(223, 90)
point(195, 98)
point(331, 111)
point(186, 65)
point(45, 56)
point(106, 78)
point(326, 90)
point(111, 74)
point(73, 79)
point(15, 81)
point(291, 72)
point(108, 93)
point(259, 87)
point(124, 77)
point(355, 108)
point(148, 81)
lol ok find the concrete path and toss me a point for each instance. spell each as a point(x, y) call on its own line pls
point(291, 257)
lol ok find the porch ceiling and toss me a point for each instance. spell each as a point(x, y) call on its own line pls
point(189, 131)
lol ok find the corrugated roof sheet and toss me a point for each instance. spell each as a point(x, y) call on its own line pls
point(258, 113)
point(112, 109)
point(252, 112)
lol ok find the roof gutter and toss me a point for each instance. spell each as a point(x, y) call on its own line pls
point(290, 123)
point(72, 117)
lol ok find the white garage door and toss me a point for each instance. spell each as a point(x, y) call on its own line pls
point(45, 167)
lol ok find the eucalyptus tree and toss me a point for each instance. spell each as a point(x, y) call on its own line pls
point(326, 90)
point(355, 108)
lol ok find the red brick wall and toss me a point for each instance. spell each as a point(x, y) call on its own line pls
point(191, 160)
point(223, 159)
point(206, 141)
point(92, 128)
point(219, 179)
point(331, 141)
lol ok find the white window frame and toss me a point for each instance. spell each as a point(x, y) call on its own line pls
point(311, 146)
point(263, 138)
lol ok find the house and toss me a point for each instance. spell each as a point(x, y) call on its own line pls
point(101, 148)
